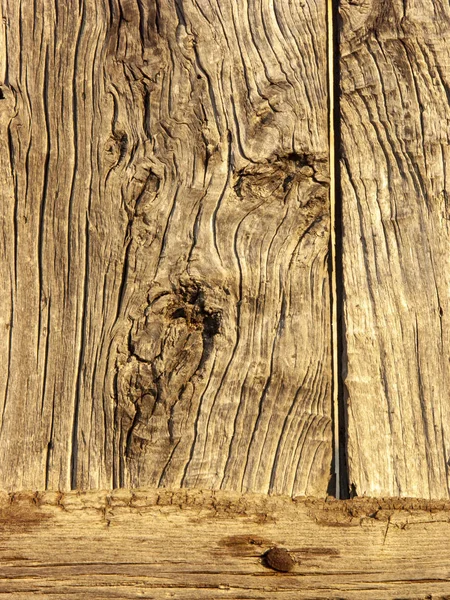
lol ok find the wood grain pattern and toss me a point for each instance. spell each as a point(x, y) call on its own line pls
point(165, 300)
point(395, 120)
point(193, 545)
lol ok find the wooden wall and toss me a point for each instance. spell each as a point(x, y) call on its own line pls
point(225, 271)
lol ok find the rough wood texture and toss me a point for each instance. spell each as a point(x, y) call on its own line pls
point(204, 545)
point(165, 301)
point(395, 119)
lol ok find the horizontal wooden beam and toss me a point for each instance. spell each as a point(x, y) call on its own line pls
point(209, 545)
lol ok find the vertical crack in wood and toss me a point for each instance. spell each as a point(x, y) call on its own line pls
point(336, 268)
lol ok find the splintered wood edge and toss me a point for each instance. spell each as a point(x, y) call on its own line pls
point(221, 502)
point(202, 544)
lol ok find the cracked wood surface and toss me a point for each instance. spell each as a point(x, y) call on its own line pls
point(193, 545)
point(395, 121)
point(165, 296)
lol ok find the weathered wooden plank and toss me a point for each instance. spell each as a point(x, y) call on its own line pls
point(395, 86)
point(192, 545)
point(165, 299)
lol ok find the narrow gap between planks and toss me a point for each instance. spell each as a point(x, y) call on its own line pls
point(336, 270)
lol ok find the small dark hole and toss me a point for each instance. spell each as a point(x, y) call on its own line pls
point(2, 95)
point(211, 325)
point(238, 186)
point(286, 182)
point(300, 159)
point(180, 313)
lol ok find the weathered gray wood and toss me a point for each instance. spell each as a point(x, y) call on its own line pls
point(395, 120)
point(165, 221)
point(194, 545)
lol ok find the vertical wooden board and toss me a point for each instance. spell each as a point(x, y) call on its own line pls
point(63, 232)
point(165, 225)
point(395, 120)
